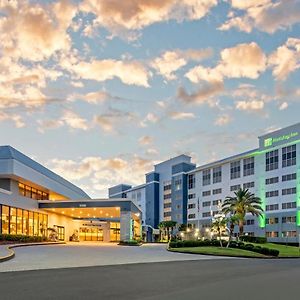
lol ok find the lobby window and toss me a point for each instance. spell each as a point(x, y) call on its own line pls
point(289, 191)
point(235, 187)
point(19, 221)
point(206, 177)
point(272, 160)
point(271, 221)
point(248, 185)
point(235, 169)
point(13, 220)
point(289, 156)
point(289, 205)
point(290, 220)
point(217, 174)
point(272, 180)
point(5, 219)
point(248, 166)
point(191, 216)
point(271, 194)
point(206, 193)
point(289, 177)
point(191, 181)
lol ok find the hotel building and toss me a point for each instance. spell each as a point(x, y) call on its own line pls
point(35, 200)
point(178, 190)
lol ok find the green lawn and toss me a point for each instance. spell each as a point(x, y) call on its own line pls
point(218, 251)
point(284, 251)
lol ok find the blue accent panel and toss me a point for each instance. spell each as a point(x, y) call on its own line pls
point(179, 199)
point(182, 168)
point(152, 177)
point(152, 204)
point(117, 191)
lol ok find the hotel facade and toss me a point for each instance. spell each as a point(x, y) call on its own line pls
point(179, 190)
point(35, 200)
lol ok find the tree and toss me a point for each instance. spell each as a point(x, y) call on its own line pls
point(242, 203)
point(182, 227)
point(232, 220)
point(219, 225)
point(167, 225)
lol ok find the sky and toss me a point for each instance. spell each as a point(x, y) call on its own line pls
point(100, 90)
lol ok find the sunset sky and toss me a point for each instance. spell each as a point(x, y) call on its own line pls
point(99, 90)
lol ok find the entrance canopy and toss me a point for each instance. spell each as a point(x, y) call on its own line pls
point(103, 209)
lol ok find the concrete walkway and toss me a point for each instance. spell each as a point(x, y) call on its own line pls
point(91, 254)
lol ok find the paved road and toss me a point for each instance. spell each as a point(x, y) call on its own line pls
point(244, 279)
point(89, 254)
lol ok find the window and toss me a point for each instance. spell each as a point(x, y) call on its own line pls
point(206, 193)
point(235, 169)
point(192, 196)
point(206, 214)
point(289, 156)
point(206, 203)
point(272, 160)
point(167, 214)
point(206, 177)
point(271, 194)
point(33, 193)
point(177, 197)
point(289, 205)
point(235, 187)
point(271, 221)
point(248, 185)
point(248, 166)
point(271, 234)
point(272, 180)
point(289, 191)
point(167, 205)
point(178, 206)
point(191, 206)
point(289, 177)
point(291, 233)
point(167, 196)
point(191, 216)
point(217, 191)
point(5, 219)
point(217, 174)
point(167, 186)
point(249, 222)
point(216, 202)
point(289, 219)
point(272, 207)
point(191, 181)
point(177, 184)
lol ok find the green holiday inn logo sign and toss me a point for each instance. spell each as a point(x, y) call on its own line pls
point(273, 140)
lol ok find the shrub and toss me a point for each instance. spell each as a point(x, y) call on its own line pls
point(253, 239)
point(129, 243)
point(22, 238)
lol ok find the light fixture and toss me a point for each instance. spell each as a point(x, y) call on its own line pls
point(88, 215)
point(94, 208)
point(80, 212)
point(72, 209)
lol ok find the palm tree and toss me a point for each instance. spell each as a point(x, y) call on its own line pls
point(242, 203)
point(232, 220)
point(167, 225)
point(219, 225)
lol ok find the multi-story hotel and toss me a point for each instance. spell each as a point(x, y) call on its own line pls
point(178, 190)
point(34, 201)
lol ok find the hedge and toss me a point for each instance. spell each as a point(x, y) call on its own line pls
point(129, 243)
point(233, 244)
point(22, 238)
point(253, 239)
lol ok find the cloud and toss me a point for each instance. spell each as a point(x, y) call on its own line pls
point(283, 106)
point(129, 72)
point(16, 119)
point(204, 94)
point(102, 173)
point(146, 140)
point(93, 97)
point(223, 120)
point(176, 115)
point(171, 61)
point(252, 105)
point(125, 16)
point(285, 59)
point(264, 15)
point(33, 31)
point(242, 60)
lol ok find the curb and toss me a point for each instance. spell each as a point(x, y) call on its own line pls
point(12, 254)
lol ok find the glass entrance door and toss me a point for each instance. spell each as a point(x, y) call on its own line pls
point(91, 233)
point(61, 232)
